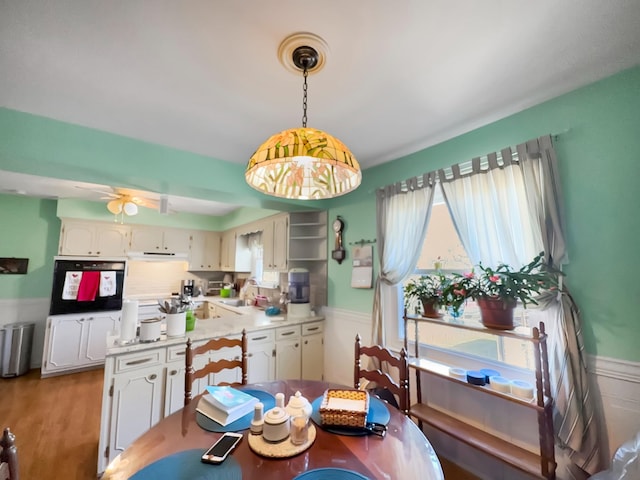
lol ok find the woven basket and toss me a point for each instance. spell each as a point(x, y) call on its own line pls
point(346, 418)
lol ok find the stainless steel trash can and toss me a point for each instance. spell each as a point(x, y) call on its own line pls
point(15, 349)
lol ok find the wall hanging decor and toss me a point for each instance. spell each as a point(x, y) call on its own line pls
point(14, 266)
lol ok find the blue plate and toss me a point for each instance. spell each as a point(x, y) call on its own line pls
point(242, 423)
point(331, 474)
point(378, 413)
point(187, 466)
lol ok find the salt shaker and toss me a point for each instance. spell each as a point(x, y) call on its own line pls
point(258, 421)
point(280, 400)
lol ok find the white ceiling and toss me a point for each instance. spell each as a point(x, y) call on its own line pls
point(204, 75)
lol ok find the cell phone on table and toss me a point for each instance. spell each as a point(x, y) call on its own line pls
point(223, 447)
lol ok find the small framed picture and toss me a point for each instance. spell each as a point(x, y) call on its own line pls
point(13, 266)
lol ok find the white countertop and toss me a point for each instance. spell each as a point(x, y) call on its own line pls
point(248, 318)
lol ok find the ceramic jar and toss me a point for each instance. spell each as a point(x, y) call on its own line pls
point(276, 425)
point(298, 405)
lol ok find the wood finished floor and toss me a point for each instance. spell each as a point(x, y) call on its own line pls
point(57, 422)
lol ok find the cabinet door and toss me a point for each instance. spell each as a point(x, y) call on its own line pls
point(267, 246)
point(261, 351)
point(97, 328)
point(228, 251)
point(288, 359)
point(174, 389)
point(280, 243)
point(176, 240)
point(65, 342)
point(196, 251)
point(112, 240)
point(136, 407)
point(146, 239)
point(77, 238)
point(211, 251)
point(313, 357)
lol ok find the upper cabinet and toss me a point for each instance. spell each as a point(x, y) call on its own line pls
point(94, 239)
point(159, 239)
point(275, 241)
point(204, 254)
point(235, 255)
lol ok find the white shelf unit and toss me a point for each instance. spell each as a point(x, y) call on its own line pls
point(539, 465)
point(308, 249)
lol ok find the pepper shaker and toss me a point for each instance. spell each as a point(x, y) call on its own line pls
point(258, 421)
point(280, 400)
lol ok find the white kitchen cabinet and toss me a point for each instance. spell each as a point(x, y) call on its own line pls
point(261, 353)
point(159, 240)
point(204, 254)
point(288, 352)
point(75, 342)
point(235, 255)
point(95, 239)
point(136, 397)
point(275, 242)
point(313, 351)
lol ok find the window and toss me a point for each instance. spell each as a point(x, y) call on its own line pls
point(442, 249)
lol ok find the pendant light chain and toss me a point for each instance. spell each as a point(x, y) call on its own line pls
point(304, 98)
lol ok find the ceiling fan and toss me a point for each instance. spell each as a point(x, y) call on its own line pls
point(126, 202)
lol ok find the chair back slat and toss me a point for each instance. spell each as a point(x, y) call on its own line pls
point(237, 350)
point(377, 356)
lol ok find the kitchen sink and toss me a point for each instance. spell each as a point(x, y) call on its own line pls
point(233, 302)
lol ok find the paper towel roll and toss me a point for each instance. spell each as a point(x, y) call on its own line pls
point(129, 321)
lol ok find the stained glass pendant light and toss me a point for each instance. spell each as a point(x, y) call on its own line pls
point(303, 163)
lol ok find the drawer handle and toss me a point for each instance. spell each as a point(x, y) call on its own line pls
point(153, 376)
point(259, 338)
point(312, 329)
point(182, 352)
point(138, 362)
point(286, 334)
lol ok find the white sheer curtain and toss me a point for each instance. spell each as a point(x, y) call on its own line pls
point(508, 212)
point(403, 212)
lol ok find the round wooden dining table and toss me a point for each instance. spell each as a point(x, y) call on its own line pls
point(403, 453)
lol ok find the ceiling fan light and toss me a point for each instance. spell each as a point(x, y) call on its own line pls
point(114, 206)
point(130, 208)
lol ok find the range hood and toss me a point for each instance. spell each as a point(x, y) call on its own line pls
point(158, 256)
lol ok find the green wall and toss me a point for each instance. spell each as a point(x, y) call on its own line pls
point(598, 145)
point(597, 148)
point(30, 229)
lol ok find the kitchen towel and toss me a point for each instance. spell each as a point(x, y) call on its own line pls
point(107, 284)
point(88, 286)
point(71, 284)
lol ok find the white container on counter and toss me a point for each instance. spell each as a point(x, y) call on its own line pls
point(176, 324)
point(150, 330)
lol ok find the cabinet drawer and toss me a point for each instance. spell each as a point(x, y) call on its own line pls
point(312, 328)
point(177, 352)
point(144, 359)
point(285, 333)
point(264, 336)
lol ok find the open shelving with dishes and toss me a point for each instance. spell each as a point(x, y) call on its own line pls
point(540, 463)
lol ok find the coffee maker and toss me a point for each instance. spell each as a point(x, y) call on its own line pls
point(187, 287)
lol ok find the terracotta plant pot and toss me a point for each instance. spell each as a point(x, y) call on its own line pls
point(430, 308)
point(496, 313)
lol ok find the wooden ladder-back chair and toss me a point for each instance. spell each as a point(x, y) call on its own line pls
point(8, 456)
point(399, 389)
point(238, 361)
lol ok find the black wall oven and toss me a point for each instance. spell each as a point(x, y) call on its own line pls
point(87, 285)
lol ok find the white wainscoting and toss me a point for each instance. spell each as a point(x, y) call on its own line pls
point(616, 384)
point(28, 310)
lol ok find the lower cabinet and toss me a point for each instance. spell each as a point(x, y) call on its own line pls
point(288, 360)
point(144, 386)
point(261, 355)
point(74, 342)
point(313, 351)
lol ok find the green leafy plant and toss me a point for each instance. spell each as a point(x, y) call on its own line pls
point(456, 290)
point(425, 288)
point(512, 285)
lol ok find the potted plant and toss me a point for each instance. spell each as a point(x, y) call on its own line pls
point(456, 291)
point(497, 290)
point(427, 289)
